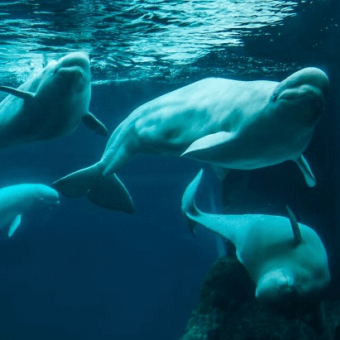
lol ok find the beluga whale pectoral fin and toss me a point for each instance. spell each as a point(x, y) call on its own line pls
point(14, 225)
point(18, 93)
point(189, 208)
point(202, 146)
point(306, 171)
point(295, 227)
point(94, 124)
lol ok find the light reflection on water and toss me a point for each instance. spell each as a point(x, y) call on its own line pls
point(127, 39)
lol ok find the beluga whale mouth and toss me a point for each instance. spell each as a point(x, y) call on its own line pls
point(73, 72)
point(302, 96)
point(308, 81)
point(275, 285)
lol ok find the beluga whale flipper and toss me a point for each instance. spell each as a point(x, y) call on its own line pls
point(228, 123)
point(49, 105)
point(17, 200)
point(285, 259)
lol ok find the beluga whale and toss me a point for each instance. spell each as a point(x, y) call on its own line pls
point(49, 105)
point(228, 123)
point(17, 200)
point(285, 259)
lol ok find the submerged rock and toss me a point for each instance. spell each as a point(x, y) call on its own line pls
point(228, 310)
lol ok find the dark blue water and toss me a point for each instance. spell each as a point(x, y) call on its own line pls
point(82, 272)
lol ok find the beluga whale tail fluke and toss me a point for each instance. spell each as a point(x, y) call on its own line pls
point(49, 105)
point(285, 259)
point(108, 192)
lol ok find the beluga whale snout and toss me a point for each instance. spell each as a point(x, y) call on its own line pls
point(76, 65)
point(45, 195)
point(276, 285)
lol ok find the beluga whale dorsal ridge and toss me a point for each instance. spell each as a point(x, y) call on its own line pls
point(229, 124)
point(284, 258)
point(17, 200)
point(50, 104)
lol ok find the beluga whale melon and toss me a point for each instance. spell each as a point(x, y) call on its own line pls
point(17, 200)
point(50, 104)
point(228, 123)
point(285, 259)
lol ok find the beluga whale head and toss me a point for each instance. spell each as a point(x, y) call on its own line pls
point(284, 285)
point(277, 285)
point(301, 97)
point(45, 195)
point(70, 75)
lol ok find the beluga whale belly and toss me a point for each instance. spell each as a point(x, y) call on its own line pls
point(227, 123)
point(286, 260)
point(49, 105)
point(16, 200)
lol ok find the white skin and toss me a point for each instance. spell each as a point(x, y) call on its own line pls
point(265, 122)
point(265, 246)
point(60, 97)
point(18, 199)
point(227, 123)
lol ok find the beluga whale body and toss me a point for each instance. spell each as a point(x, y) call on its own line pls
point(16, 200)
point(227, 123)
point(286, 260)
point(50, 104)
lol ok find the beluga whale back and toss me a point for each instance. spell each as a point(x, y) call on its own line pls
point(286, 260)
point(228, 123)
point(49, 105)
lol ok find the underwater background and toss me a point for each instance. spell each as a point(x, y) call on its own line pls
point(83, 272)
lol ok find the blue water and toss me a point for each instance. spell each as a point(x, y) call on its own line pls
point(144, 39)
point(82, 272)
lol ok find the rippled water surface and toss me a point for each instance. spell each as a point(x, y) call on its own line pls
point(138, 39)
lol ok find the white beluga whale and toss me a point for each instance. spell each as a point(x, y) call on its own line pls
point(227, 123)
point(16, 200)
point(50, 104)
point(285, 259)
